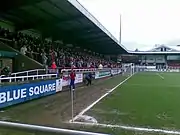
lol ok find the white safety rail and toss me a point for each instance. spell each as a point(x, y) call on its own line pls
point(35, 72)
point(39, 74)
point(26, 128)
point(26, 78)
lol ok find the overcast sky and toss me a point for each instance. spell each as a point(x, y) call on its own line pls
point(144, 22)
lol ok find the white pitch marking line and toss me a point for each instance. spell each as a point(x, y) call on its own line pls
point(95, 102)
point(130, 128)
point(160, 75)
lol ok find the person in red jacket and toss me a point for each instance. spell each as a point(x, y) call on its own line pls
point(72, 80)
point(53, 66)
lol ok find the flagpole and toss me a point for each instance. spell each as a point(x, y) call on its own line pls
point(120, 29)
point(72, 105)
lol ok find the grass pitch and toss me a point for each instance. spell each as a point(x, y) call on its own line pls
point(148, 100)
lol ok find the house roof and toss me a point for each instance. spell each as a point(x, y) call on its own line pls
point(168, 48)
point(175, 50)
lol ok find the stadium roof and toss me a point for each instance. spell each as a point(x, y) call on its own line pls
point(62, 19)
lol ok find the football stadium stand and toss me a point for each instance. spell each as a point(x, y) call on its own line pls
point(77, 38)
point(41, 41)
point(47, 52)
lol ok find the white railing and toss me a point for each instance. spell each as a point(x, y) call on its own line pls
point(42, 129)
point(28, 72)
point(23, 78)
point(23, 74)
point(36, 72)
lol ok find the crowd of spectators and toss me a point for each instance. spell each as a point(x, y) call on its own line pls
point(48, 52)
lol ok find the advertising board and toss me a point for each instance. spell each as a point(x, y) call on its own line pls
point(119, 71)
point(115, 71)
point(174, 70)
point(102, 74)
point(10, 95)
point(58, 85)
point(66, 79)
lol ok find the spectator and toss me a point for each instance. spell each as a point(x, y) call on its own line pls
point(100, 66)
point(23, 50)
point(55, 52)
point(6, 71)
point(53, 66)
point(30, 52)
point(44, 58)
point(72, 80)
point(89, 78)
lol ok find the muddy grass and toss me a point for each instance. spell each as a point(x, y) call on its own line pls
point(56, 109)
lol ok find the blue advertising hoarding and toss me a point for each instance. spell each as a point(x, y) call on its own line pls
point(10, 95)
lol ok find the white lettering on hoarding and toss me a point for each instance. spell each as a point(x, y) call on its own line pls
point(10, 96)
point(2, 97)
point(23, 93)
point(41, 89)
